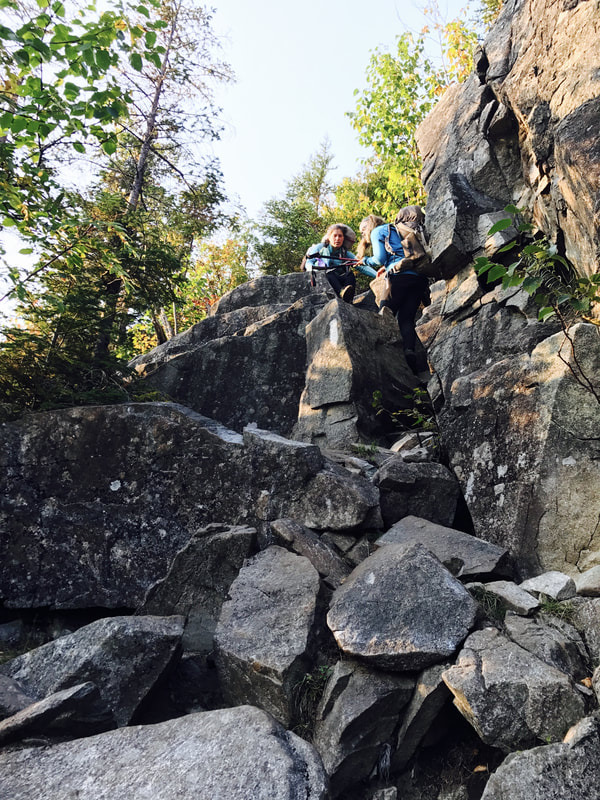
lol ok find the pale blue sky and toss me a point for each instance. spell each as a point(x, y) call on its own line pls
point(297, 66)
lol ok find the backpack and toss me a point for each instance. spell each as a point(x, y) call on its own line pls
point(417, 256)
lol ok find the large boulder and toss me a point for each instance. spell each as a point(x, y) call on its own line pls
point(356, 718)
point(400, 609)
point(568, 770)
point(351, 355)
point(231, 754)
point(511, 697)
point(428, 490)
point(95, 502)
point(462, 554)
point(252, 376)
point(266, 630)
point(123, 656)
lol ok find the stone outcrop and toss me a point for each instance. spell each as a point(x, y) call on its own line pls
point(232, 754)
point(401, 610)
point(123, 656)
point(96, 501)
point(266, 630)
point(518, 131)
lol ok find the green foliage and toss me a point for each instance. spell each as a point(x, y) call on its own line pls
point(307, 695)
point(491, 605)
point(419, 416)
point(289, 225)
point(399, 96)
point(540, 270)
point(562, 609)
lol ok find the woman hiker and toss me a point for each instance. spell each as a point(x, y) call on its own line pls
point(407, 287)
point(334, 253)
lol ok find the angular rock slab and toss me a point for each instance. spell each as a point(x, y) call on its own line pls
point(305, 542)
point(96, 501)
point(265, 631)
point(123, 656)
point(553, 640)
point(461, 553)
point(356, 717)
point(426, 490)
point(509, 696)
point(350, 354)
point(256, 377)
point(553, 584)
point(76, 712)
point(231, 754)
point(198, 581)
point(569, 770)
point(400, 609)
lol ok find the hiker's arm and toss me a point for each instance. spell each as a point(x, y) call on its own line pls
point(379, 257)
point(365, 269)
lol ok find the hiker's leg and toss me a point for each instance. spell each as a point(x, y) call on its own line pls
point(335, 282)
point(348, 282)
point(407, 292)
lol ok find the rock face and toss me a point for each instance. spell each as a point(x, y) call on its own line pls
point(231, 754)
point(518, 427)
point(265, 631)
point(97, 501)
point(518, 132)
point(401, 610)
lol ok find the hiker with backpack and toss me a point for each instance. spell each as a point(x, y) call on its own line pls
point(399, 252)
point(332, 254)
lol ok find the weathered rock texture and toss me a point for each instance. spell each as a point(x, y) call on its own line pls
point(401, 610)
point(96, 501)
point(233, 754)
point(521, 433)
point(265, 631)
point(520, 130)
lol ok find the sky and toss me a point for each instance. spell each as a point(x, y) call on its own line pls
point(297, 66)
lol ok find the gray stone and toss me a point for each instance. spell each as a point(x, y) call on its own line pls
point(307, 543)
point(596, 683)
point(510, 697)
point(271, 290)
point(265, 631)
point(585, 618)
point(513, 597)
point(462, 554)
point(351, 354)
point(256, 377)
point(198, 582)
point(400, 609)
point(553, 584)
point(552, 640)
point(355, 720)
point(430, 696)
point(588, 583)
point(78, 711)
point(563, 771)
point(123, 656)
point(424, 490)
point(231, 754)
point(97, 501)
point(12, 697)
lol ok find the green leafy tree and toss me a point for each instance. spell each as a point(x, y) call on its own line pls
point(101, 261)
point(289, 225)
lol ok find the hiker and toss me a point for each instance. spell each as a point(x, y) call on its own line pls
point(333, 251)
point(399, 253)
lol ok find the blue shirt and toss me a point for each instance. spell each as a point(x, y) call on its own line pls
point(381, 257)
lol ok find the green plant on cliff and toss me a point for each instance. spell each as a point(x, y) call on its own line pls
point(536, 266)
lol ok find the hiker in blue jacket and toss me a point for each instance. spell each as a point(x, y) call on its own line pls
point(333, 252)
point(407, 288)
